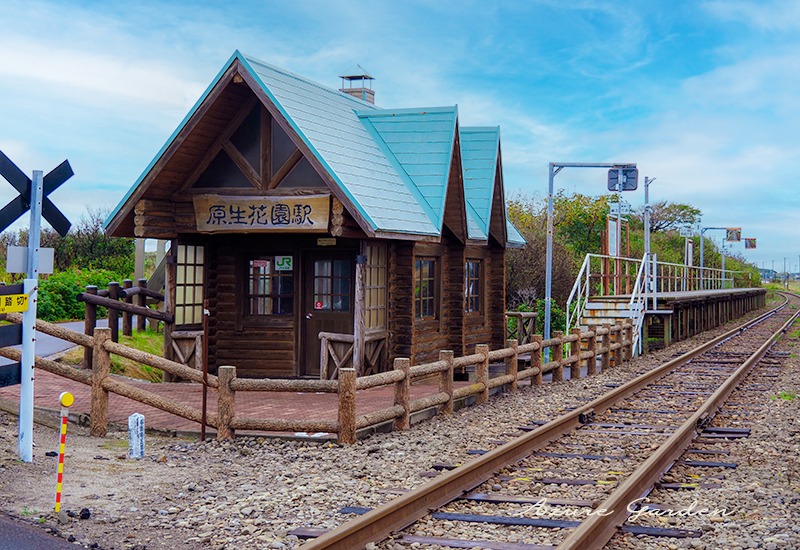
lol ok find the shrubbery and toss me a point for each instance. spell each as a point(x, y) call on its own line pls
point(57, 293)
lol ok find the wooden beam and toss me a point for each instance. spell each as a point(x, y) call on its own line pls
point(215, 148)
point(284, 170)
point(173, 147)
point(315, 163)
point(242, 164)
point(266, 146)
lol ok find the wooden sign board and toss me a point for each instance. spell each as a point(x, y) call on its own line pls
point(265, 214)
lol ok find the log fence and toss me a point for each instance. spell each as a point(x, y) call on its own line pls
point(125, 301)
point(610, 344)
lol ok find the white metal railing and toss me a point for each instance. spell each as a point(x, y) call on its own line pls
point(602, 275)
point(637, 305)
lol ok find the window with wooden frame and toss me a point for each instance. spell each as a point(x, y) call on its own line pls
point(473, 283)
point(270, 286)
point(332, 280)
point(375, 286)
point(425, 288)
point(189, 285)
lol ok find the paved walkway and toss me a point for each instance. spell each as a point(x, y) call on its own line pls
point(271, 405)
point(307, 406)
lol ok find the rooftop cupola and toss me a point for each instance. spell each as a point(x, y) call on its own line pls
point(357, 82)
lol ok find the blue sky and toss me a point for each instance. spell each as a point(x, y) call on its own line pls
point(701, 95)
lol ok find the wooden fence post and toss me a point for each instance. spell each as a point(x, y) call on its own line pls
point(482, 373)
point(226, 404)
point(628, 338)
point(558, 357)
point(101, 368)
point(89, 322)
point(141, 301)
point(618, 351)
point(605, 362)
point(446, 381)
point(113, 313)
point(402, 394)
point(512, 364)
point(536, 359)
point(127, 316)
point(347, 406)
point(591, 362)
point(575, 355)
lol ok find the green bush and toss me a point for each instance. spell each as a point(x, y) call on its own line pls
point(58, 293)
point(558, 318)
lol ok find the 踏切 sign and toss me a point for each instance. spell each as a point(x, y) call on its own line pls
point(13, 303)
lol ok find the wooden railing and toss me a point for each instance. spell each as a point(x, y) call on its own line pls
point(612, 344)
point(521, 326)
point(336, 352)
point(127, 300)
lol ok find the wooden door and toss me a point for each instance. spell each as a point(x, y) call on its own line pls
point(328, 284)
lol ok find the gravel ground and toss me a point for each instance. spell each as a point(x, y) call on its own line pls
point(250, 493)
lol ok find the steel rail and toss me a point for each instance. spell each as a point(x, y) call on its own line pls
point(597, 530)
point(402, 511)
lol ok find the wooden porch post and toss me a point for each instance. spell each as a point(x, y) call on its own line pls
point(170, 295)
point(359, 311)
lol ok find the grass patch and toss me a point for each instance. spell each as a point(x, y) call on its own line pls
point(114, 444)
point(785, 395)
point(149, 341)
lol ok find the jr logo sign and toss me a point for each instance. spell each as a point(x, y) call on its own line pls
point(283, 263)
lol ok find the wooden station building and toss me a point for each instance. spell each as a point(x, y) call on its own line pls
point(304, 213)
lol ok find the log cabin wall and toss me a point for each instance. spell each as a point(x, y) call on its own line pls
point(496, 295)
point(401, 299)
point(458, 321)
point(431, 333)
point(257, 347)
point(478, 324)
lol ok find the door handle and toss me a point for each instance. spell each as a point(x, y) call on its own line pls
point(309, 316)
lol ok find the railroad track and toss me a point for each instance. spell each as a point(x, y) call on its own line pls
point(573, 482)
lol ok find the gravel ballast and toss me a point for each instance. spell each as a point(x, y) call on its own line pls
point(251, 492)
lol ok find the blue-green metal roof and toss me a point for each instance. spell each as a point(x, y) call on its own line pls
point(421, 141)
point(479, 153)
point(514, 238)
point(392, 165)
point(326, 120)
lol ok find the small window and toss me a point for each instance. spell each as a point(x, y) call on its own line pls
point(270, 286)
point(425, 288)
point(189, 285)
point(472, 286)
point(375, 286)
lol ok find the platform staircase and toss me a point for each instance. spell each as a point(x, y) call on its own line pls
point(611, 290)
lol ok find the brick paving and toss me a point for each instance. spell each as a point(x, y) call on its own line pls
point(273, 405)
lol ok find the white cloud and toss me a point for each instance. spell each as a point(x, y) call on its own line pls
point(95, 77)
point(765, 15)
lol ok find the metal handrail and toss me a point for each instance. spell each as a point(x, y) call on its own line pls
point(639, 300)
point(666, 277)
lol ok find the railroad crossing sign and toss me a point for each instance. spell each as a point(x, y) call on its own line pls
point(630, 179)
point(32, 196)
point(22, 183)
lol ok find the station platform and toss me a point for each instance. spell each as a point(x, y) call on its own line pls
point(676, 315)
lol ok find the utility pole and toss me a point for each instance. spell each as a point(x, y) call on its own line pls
point(555, 168)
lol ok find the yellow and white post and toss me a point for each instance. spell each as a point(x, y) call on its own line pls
point(66, 399)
